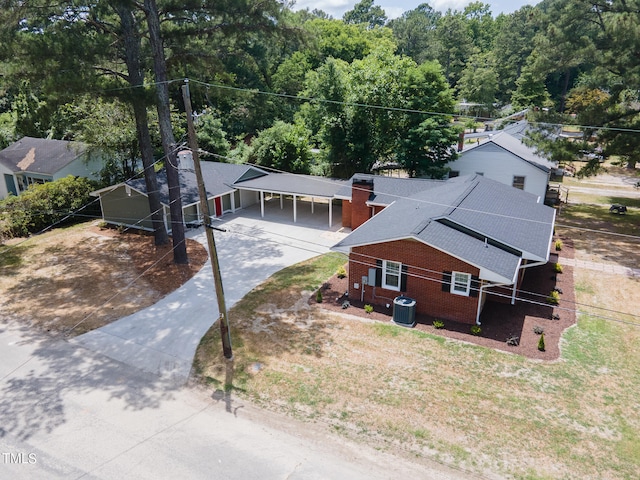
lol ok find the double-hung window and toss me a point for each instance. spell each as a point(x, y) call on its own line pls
point(391, 275)
point(461, 283)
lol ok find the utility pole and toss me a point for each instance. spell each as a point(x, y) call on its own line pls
point(204, 205)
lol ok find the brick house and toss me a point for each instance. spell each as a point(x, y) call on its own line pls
point(446, 244)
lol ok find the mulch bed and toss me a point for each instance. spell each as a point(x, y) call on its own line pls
point(499, 320)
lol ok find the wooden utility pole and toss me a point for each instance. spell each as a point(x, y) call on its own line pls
point(204, 206)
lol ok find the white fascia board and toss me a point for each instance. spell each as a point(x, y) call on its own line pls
point(268, 190)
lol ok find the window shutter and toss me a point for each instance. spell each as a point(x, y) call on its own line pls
point(403, 278)
point(378, 273)
point(475, 286)
point(446, 281)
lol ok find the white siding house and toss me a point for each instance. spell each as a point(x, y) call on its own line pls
point(506, 159)
point(38, 160)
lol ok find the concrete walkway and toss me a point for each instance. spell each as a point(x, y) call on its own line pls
point(601, 267)
point(163, 338)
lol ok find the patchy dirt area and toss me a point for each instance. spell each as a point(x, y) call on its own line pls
point(499, 321)
point(76, 279)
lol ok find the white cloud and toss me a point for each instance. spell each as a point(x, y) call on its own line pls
point(443, 5)
point(333, 7)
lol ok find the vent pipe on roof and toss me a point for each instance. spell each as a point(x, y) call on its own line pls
point(486, 243)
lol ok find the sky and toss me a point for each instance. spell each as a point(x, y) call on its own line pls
point(393, 9)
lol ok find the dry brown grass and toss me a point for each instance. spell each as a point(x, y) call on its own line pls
point(423, 395)
point(85, 277)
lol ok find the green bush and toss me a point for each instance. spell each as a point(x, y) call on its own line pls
point(476, 330)
point(557, 268)
point(319, 296)
point(558, 245)
point(42, 205)
point(438, 324)
point(541, 343)
point(368, 308)
point(342, 272)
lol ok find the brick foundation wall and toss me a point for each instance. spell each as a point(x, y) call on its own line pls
point(423, 284)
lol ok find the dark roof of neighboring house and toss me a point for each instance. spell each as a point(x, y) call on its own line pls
point(41, 155)
point(515, 146)
point(518, 129)
point(219, 179)
point(481, 221)
point(388, 189)
point(293, 184)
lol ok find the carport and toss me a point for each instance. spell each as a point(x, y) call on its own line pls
point(296, 186)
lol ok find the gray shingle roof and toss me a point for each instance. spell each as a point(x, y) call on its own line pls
point(289, 183)
point(388, 189)
point(40, 155)
point(458, 215)
point(219, 179)
point(514, 145)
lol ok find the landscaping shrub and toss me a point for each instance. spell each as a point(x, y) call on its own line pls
point(538, 330)
point(342, 272)
point(43, 205)
point(319, 296)
point(558, 245)
point(476, 330)
point(557, 268)
point(541, 343)
point(368, 308)
point(438, 324)
point(554, 298)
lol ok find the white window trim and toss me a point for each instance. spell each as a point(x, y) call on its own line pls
point(453, 284)
point(384, 275)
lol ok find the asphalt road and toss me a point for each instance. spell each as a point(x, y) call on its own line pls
point(69, 413)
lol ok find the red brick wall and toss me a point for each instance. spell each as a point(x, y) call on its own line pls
point(360, 212)
point(424, 283)
point(346, 213)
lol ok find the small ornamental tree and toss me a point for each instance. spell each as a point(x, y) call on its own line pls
point(541, 343)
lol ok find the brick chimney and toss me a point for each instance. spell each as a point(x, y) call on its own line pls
point(361, 190)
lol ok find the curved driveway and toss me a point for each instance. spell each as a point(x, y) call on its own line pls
point(162, 339)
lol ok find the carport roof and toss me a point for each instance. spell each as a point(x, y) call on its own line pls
point(293, 184)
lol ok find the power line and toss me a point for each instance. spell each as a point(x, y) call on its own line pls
point(393, 109)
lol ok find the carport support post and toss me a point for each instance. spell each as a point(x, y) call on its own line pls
point(215, 264)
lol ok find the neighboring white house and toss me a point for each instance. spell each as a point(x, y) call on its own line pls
point(504, 158)
point(39, 160)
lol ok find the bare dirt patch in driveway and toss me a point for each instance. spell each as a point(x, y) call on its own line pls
point(86, 277)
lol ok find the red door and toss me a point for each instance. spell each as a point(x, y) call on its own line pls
point(218, 203)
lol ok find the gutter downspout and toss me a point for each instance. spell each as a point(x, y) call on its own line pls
point(480, 292)
point(522, 267)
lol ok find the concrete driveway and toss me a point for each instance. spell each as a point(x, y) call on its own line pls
point(162, 339)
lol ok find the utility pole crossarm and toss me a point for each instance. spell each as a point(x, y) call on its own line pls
point(211, 243)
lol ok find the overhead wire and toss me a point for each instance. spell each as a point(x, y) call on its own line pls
point(320, 178)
